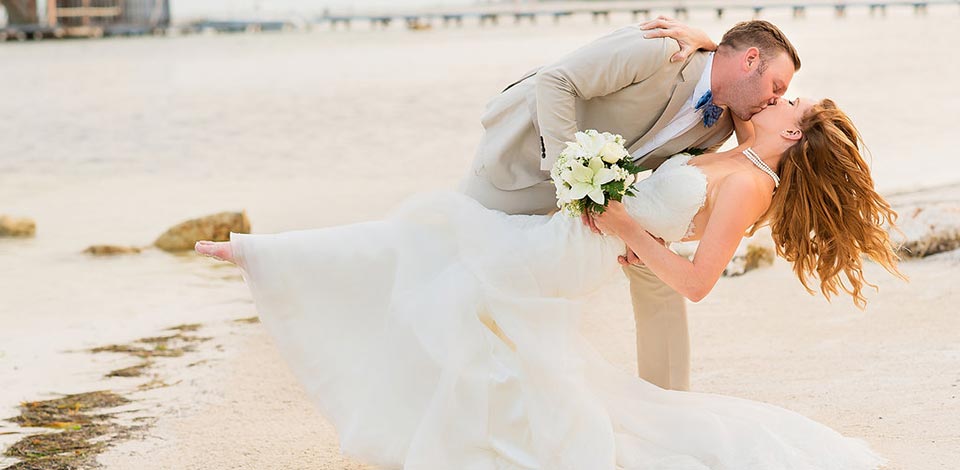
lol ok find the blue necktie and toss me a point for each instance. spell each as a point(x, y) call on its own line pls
point(711, 112)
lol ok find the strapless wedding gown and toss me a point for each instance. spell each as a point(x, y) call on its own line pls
point(445, 337)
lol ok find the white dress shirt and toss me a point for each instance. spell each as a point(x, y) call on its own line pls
point(685, 119)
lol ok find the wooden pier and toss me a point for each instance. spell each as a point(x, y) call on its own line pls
point(493, 16)
point(96, 18)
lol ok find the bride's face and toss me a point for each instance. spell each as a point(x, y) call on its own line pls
point(783, 117)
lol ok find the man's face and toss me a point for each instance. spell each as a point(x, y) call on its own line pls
point(752, 91)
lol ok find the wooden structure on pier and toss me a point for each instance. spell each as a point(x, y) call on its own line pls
point(87, 18)
point(638, 10)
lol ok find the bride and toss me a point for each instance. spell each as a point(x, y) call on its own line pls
point(446, 336)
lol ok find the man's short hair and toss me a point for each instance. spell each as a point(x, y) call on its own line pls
point(764, 36)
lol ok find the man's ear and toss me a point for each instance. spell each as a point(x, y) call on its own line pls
point(751, 59)
point(792, 134)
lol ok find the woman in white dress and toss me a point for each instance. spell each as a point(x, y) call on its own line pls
point(445, 337)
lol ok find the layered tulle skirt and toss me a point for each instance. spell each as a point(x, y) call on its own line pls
point(447, 337)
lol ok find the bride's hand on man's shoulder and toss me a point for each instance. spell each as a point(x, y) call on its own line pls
point(690, 39)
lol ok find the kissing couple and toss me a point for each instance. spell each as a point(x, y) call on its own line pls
point(447, 335)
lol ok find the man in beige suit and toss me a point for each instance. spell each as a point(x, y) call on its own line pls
point(626, 84)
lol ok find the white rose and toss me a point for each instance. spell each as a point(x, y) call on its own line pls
point(612, 153)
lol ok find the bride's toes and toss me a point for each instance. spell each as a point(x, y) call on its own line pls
point(219, 250)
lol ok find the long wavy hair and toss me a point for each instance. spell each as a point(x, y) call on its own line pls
point(826, 215)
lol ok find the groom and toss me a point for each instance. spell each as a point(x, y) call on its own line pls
point(626, 84)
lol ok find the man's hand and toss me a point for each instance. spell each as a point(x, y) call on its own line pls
point(690, 39)
point(630, 257)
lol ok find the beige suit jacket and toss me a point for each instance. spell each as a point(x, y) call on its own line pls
point(620, 83)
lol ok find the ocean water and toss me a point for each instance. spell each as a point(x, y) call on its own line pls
point(115, 140)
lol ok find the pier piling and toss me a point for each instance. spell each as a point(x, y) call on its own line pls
point(560, 14)
point(878, 7)
point(597, 14)
point(447, 19)
point(642, 11)
point(491, 18)
point(518, 17)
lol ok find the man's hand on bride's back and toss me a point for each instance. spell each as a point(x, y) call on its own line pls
point(689, 39)
point(630, 257)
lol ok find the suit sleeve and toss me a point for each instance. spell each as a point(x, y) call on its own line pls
point(600, 68)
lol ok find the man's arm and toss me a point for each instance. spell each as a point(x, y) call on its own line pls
point(600, 68)
point(622, 58)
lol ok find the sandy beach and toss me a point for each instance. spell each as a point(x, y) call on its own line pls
point(306, 130)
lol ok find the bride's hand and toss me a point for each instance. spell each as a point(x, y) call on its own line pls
point(614, 220)
point(588, 221)
point(690, 39)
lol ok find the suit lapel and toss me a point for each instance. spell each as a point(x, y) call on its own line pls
point(700, 136)
point(689, 77)
point(676, 145)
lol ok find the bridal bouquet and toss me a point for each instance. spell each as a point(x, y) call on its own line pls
point(591, 171)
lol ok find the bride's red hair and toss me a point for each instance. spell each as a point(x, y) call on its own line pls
point(826, 215)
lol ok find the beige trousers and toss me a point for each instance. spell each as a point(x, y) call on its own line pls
point(660, 313)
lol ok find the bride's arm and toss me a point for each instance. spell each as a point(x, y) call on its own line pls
point(738, 204)
point(690, 39)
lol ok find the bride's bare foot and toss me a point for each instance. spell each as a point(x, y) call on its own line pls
point(219, 250)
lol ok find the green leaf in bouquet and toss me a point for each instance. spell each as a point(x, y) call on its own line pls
point(631, 166)
point(613, 190)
